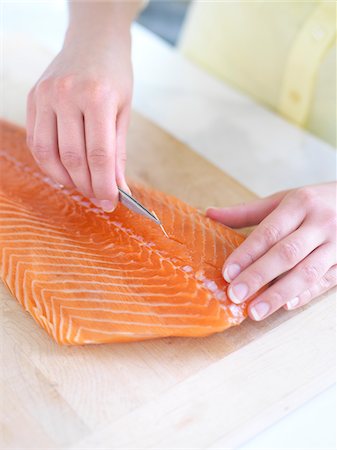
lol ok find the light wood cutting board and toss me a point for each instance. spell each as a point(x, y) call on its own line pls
point(213, 392)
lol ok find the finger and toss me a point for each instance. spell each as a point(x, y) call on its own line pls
point(248, 214)
point(100, 126)
point(304, 276)
point(71, 142)
point(45, 149)
point(285, 219)
point(121, 131)
point(30, 120)
point(327, 282)
point(282, 257)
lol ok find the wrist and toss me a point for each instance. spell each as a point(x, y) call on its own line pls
point(102, 22)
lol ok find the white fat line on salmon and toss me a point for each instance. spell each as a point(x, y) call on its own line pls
point(94, 282)
point(77, 246)
point(42, 321)
point(29, 218)
point(133, 323)
point(125, 322)
point(58, 302)
point(170, 332)
point(146, 274)
point(126, 285)
point(139, 337)
point(48, 326)
point(35, 252)
point(43, 292)
point(30, 258)
point(78, 339)
point(116, 333)
point(51, 293)
point(123, 302)
point(50, 233)
point(23, 221)
point(60, 245)
point(118, 225)
point(116, 293)
point(148, 313)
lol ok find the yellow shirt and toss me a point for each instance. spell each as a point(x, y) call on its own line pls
point(283, 53)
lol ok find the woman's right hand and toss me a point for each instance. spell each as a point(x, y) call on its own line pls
point(78, 114)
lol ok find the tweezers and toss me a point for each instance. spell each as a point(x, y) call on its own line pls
point(134, 205)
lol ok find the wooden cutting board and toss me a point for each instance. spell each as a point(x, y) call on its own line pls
point(213, 392)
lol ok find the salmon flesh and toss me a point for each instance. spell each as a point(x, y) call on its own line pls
point(87, 276)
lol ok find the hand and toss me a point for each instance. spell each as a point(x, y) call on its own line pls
point(78, 114)
point(293, 248)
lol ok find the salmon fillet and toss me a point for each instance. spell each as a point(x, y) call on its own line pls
point(87, 276)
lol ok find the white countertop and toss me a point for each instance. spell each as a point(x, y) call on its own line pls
point(261, 150)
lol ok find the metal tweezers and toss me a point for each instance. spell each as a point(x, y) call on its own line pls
point(133, 205)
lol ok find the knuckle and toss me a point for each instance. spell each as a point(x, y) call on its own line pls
point(311, 274)
point(306, 196)
point(42, 153)
point(326, 282)
point(329, 278)
point(71, 159)
point(331, 222)
point(249, 257)
point(271, 233)
point(42, 88)
point(289, 251)
point(63, 85)
point(98, 158)
point(98, 90)
point(256, 279)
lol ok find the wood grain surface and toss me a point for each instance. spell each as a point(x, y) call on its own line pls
point(172, 393)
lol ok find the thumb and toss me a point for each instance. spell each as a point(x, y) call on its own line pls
point(246, 214)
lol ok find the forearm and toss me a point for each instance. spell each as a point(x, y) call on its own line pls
point(101, 22)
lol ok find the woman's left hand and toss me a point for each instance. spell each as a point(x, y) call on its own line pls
point(294, 247)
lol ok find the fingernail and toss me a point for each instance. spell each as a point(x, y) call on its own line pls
point(127, 190)
point(238, 292)
point(211, 210)
point(260, 310)
point(107, 205)
point(231, 272)
point(293, 303)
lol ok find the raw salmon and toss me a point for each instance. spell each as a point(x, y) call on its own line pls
point(87, 276)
